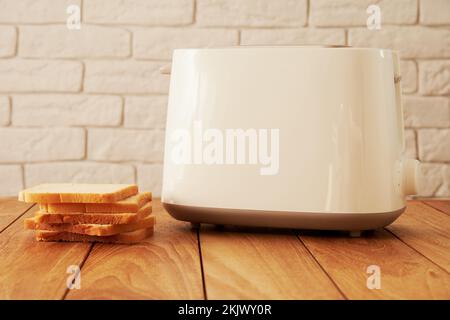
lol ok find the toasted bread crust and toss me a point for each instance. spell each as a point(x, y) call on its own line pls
point(129, 205)
point(94, 218)
point(91, 229)
point(78, 193)
point(125, 238)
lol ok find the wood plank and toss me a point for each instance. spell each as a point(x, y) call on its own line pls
point(10, 209)
point(35, 270)
point(427, 230)
point(405, 274)
point(441, 205)
point(165, 266)
point(257, 263)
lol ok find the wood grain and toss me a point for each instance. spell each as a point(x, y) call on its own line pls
point(427, 230)
point(405, 273)
point(35, 270)
point(238, 262)
point(441, 205)
point(165, 266)
point(250, 263)
point(11, 209)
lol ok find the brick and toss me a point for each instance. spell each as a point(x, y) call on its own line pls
point(412, 42)
point(7, 41)
point(19, 75)
point(60, 42)
point(125, 77)
point(139, 12)
point(32, 145)
point(149, 178)
point(125, 144)
point(66, 110)
point(434, 145)
point(434, 77)
point(444, 190)
point(408, 70)
point(306, 36)
point(435, 12)
point(422, 112)
point(35, 11)
point(145, 112)
point(78, 172)
point(252, 13)
point(158, 43)
point(5, 111)
point(11, 178)
point(326, 13)
point(410, 145)
point(431, 179)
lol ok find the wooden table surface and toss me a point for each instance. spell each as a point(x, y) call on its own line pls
point(178, 262)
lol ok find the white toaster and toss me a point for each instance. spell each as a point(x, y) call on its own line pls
point(295, 137)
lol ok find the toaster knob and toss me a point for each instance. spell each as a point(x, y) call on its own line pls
point(411, 176)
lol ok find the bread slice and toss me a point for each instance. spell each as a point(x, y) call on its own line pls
point(78, 193)
point(93, 218)
point(128, 205)
point(91, 229)
point(127, 237)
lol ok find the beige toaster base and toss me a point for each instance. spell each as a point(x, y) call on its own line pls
point(284, 219)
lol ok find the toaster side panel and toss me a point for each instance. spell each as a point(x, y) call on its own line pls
point(319, 130)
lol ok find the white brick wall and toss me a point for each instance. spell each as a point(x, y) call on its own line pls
point(112, 76)
point(88, 42)
point(434, 77)
point(409, 76)
point(344, 13)
point(145, 112)
point(158, 43)
point(34, 11)
point(79, 172)
point(293, 36)
point(41, 144)
point(434, 145)
point(66, 110)
point(435, 12)
point(432, 179)
point(251, 13)
point(125, 145)
point(17, 75)
point(12, 180)
point(139, 12)
point(90, 105)
point(412, 41)
point(426, 112)
point(5, 111)
point(7, 41)
point(410, 144)
point(149, 177)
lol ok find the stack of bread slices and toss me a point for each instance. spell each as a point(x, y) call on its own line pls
point(113, 213)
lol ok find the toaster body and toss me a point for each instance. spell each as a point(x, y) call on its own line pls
point(297, 137)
